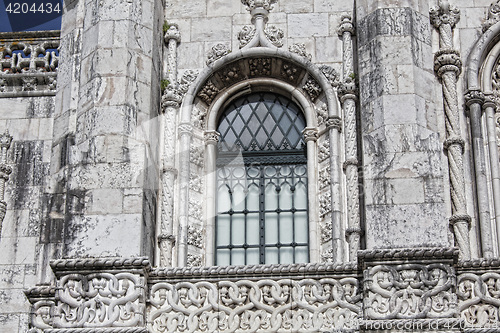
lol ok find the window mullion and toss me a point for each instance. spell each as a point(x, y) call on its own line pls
point(262, 209)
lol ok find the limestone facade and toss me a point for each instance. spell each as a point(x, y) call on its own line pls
point(379, 144)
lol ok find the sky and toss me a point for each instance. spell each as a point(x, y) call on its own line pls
point(30, 18)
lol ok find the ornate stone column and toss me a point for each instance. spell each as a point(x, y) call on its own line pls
point(5, 171)
point(172, 39)
point(448, 67)
point(171, 101)
point(347, 94)
point(211, 140)
point(474, 99)
point(310, 137)
point(490, 108)
point(334, 126)
point(166, 240)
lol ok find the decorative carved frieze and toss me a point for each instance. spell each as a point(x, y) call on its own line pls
point(325, 204)
point(300, 49)
point(324, 150)
point(216, 52)
point(324, 177)
point(230, 74)
point(194, 260)
point(195, 182)
point(28, 63)
point(326, 232)
point(195, 236)
point(312, 88)
point(187, 79)
point(196, 156)
point(255, 306)
point(208, 92)
point(321, 114)
point(195, 210)
point(42, 299)
point(331, 75)
point(259, 67)
point(290, 72)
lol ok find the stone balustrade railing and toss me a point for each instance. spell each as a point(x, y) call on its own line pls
point(28, 63)
point(418, 289)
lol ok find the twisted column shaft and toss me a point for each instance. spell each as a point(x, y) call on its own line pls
point(171, 100)
point(448, 67)
point(347, 94)
point(5, 171)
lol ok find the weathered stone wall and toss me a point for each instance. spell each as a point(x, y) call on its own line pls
point(29, 121)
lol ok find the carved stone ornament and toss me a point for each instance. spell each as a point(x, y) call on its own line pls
point(260, 67)
point(289, 71)
point(345, 25)
point(334, 122)
point(444, 14)
point(195, 236)
point(256, 306)
point(312, 88)
point(196, 156)
point(493, 15)
point(29, 83)
point(326, 232)
point(324, 177)
point(264, 4)
point(211, 137)
point(246, 34)
point(198, 117)
point(208, 92)
point(347, 89)
point(474, 96)
point(194, 260)
point(172, 33)
point(325, 204)
point(187, 79)
point(300, 49)
point(324, 150)
point(447, 60)
point(331, 75)
point(310, 134)
point(218, 51)
point(322, 114)
point(171, 97)
point(195, 183)
point(275, 35)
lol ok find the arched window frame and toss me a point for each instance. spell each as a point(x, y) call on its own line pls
point(310, 136)
point(186, 133)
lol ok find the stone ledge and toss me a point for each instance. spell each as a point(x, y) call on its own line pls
point(403, 255)
point(90, 265)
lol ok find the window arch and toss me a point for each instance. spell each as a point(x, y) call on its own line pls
point(261, 181)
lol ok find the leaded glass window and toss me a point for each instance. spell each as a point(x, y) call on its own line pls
point(261, 183)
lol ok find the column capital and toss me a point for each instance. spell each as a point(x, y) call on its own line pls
point(334, 122)
point(172, 33)
point(474, 96)
point(310, 134)
point(171, 97)
point(5, 140)
point(211, 137)
point(346, 25)
point(490, 101)
point(443, 14)
point(347, 89)
point(447, 60)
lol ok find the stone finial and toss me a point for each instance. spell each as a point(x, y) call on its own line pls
point(5, 140)
point(172, 33)
point(346, 25)
point(493, 15)
point(444, 13)
point(259, 4)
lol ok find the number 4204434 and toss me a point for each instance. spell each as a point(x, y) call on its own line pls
point(25, 8)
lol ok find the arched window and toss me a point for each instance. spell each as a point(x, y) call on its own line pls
point(261, 182)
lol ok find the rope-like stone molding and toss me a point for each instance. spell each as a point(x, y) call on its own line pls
point(255, 270)
point(448, 66)
point(100, 263)
point(479, 263)
point(415, 253)
point(98, 330)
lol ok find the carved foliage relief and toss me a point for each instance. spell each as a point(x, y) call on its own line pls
point(254, 306)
